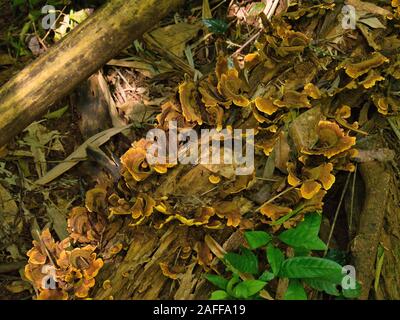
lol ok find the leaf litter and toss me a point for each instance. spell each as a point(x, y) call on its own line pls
point(314, 92)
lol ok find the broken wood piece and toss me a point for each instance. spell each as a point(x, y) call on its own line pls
point(365, 244)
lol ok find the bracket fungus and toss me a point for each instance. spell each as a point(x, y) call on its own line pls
point(57, 271)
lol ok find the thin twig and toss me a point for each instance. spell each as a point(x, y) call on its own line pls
point(38, 38)
point(43, 246)
point(273, 8)
point(337, 213)
point(268, 6)
point(48, 32)
point(255, 36)
point(352, 201)
point(218, 5)
point(124, 80)
point(276, 197)
point(267, 179)
point(208, 191)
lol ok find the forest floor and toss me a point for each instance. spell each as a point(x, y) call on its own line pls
point(84, 214)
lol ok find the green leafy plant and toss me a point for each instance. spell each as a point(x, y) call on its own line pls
point(216, 26)
point(253, 268)
point(27, 15)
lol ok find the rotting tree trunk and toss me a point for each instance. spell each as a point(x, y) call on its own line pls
point(389, 279)
point(138, 275)
point(112, 28)
point(365, 245)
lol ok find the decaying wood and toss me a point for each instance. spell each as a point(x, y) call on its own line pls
point(28, 95)
point(92, 107)
point(365, 244)
point(139, 275)
point(389, 279)
point(372, 209)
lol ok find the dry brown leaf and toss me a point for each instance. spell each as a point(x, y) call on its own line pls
point(80, 154)
point(174, 37)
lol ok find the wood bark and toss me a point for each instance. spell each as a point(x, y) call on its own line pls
point(365, 244)
point(28, 95)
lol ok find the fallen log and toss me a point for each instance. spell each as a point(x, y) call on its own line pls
point(28, 95)
point(371, 219)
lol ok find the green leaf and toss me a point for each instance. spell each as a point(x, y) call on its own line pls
point(216, 25)
point(323, 285)
point(17, 3)
point(295, 291)
point(311, 267)
point(336, 255)
point(378, 266)
point(217, 281)
point(301, 252)
point(248, 288)
point(56, 114)
point(257, 8)
point(246, 262)
point(34, 15)
point(257, 239)
point(219, 295)
point(229, 287)
point(305, 235)
point(24, 31)
point(275, 258)
point(266, 276)
point(352, 293)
